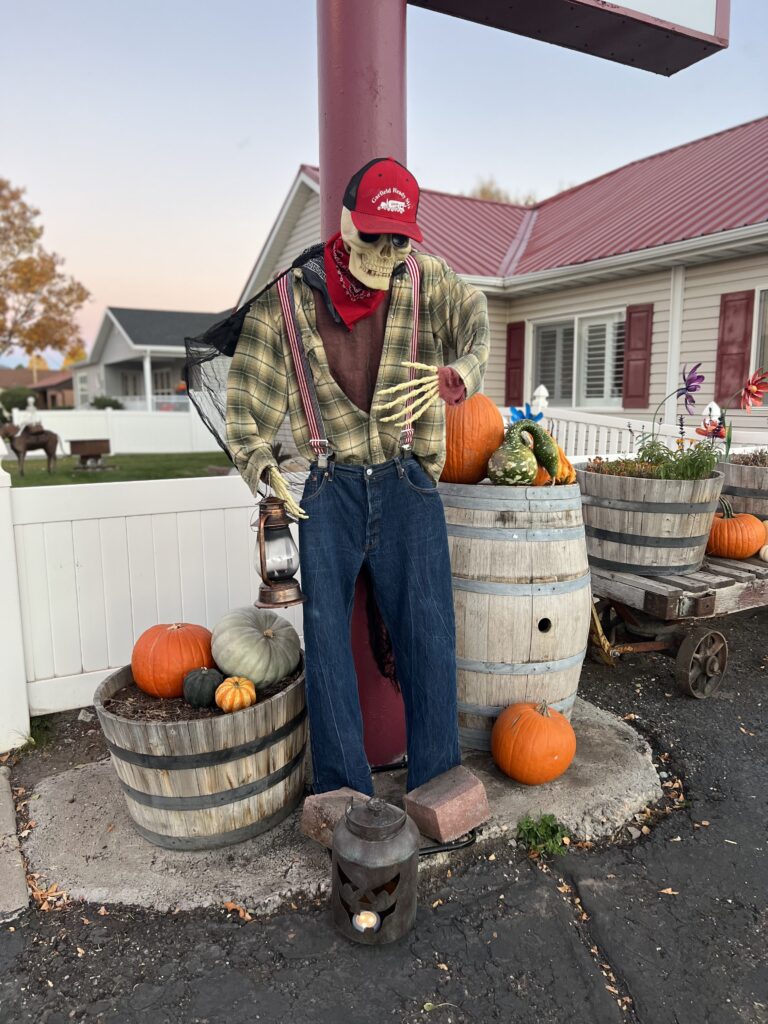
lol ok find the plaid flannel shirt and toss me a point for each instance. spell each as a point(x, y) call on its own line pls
point(262, 385)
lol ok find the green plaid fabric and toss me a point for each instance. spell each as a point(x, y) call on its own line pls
point(262, 386)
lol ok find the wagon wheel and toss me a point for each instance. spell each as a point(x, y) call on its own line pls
point(701, 662)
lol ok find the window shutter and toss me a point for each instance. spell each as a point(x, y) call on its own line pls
point(734, 344)
point(515, 363)
point(638, 334)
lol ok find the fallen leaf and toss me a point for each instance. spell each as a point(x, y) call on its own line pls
point(4, 758)
point(437, 903)
point(630, 717)
point(669, 892)
point(80, 951)
point(612, 989)
point(645, 830)
point(442, 967)
point(491, 856)
point(102, 912)
point(564, 888)
point(111, 827)
point(235, 908)
point(675, 839)
point(566, 841)
point(85, 920)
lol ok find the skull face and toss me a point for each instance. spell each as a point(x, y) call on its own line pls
point(371, 263)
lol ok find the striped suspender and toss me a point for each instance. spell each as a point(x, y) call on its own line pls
point(317, 439)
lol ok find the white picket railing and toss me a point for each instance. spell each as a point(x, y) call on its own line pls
point(86, 568)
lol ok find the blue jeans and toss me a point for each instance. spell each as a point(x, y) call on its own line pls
point(388, 517)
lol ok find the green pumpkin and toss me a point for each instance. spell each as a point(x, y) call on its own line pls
point(200, 687)
point(513, 463)
point(256, 643)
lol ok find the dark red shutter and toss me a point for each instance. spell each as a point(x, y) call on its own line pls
point(734, 344)
point(638, 335)
point(515, 363)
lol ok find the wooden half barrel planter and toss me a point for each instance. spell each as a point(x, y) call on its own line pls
point(746, 487)
point(647, 527)
point(201, 784)
point(521, 593)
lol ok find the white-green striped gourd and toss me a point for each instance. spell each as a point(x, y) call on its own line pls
point(515, 463)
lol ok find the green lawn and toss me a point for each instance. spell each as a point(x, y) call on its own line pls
point(125, 467)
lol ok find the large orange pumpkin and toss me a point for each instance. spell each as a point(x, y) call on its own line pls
point(566, 474)
point(473, 431)
point(735, 534)
point(532, 743)
point(164, 654)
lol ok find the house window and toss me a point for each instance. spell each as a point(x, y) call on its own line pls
point(581, 361)
point(129, 383)
point(161, 382)
point(82, 389)
point(762, 331)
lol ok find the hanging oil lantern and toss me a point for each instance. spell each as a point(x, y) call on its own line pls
point(374, 870)
point(277, 557)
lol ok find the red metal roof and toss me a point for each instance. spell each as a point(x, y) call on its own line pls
point(704, 187)
point(52, 380)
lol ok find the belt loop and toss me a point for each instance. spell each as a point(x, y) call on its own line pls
point(399, 464)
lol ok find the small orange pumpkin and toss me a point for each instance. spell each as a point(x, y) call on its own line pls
point(735, 534)
point(532, 743)
point(235, 693)
point(164, 654)
point(473, 431)
point(566, 474)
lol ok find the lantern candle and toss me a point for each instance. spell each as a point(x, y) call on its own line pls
point(366, 920)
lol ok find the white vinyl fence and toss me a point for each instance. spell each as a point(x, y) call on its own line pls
point(85, 568)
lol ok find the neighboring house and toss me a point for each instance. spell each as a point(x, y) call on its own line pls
point(604, 291)
point(55, 390)
point(21, 378)
point(138, 357)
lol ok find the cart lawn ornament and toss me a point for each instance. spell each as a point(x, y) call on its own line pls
point(374, 869)
point(31, 440)
point(277, 557)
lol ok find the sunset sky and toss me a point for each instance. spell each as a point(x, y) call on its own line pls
point(159, 138)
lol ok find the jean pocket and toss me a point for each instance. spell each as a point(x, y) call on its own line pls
point(314, 486)
point(418, 479)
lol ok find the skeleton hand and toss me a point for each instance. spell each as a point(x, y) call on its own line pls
point(279, 485)
point(422, 392)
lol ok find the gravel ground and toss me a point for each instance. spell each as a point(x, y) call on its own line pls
point(665, 926)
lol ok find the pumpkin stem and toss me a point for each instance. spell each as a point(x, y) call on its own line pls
point(726, 506)
point(543, 709)
point(269, 633)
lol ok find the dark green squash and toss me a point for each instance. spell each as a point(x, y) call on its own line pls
point(200, 687)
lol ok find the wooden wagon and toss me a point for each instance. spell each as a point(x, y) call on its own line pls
point(635, 614)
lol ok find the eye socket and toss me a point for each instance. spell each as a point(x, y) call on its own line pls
point(399, 241)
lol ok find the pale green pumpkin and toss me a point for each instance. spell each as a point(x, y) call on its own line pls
point(513, 463)
point(256, 643)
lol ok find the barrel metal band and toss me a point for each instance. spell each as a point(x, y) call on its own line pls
point(521, 589)
point(486, 711)
point(524, 535)
point(746, 492)
point(218, 839)
point(223, 797)
point(647, 506)
point(640, 540)
point(646, 570)
point(510, 504)
point(529, 668)
point(207, 758)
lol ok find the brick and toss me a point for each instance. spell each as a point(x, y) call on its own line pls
point(323, 811)
point(449, 805)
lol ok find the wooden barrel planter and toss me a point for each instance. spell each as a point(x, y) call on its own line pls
point(746, 487)
point(198, 785)
point(648, 527)
point(522, 599)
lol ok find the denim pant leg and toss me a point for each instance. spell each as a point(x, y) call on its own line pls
point(331, 546)
point(411, 573)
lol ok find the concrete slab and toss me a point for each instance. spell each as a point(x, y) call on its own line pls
point(14, 895)
point(85, 842)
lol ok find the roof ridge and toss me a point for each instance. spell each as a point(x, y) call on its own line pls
point(647, 159)
point(144, 309)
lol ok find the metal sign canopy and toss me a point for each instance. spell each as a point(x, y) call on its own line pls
point(633, 34)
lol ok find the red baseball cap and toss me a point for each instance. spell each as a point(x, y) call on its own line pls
point(383, 198)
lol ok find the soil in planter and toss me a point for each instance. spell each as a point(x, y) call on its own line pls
point(132, 703)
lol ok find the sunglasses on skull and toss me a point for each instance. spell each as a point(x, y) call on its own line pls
point(399, 241)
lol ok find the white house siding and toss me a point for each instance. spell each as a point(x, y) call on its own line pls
point(495, 372)
point(701, 316)
point(598, 298)
point(306, 232)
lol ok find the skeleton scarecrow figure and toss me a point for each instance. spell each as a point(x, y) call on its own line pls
point(362, 342)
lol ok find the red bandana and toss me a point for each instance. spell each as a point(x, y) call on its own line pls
point(351, 300)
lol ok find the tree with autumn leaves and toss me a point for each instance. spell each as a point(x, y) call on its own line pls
point(38, 301)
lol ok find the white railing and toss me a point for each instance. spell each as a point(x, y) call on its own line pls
point(86, 568)
point(160, 403)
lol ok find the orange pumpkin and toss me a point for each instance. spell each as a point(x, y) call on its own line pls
point(473, 431)
point(164, 654)
point(735, 534)
point(235, 693)
point(566, 474)
point(532, 743)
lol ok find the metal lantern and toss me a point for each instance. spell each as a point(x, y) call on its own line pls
point(374, 869)
point(277, 557)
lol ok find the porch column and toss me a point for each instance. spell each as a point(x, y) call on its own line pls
point(361, 92)
point(14, 699)
point(148, 380)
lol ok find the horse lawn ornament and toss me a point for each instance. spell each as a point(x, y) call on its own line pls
point(27, 440)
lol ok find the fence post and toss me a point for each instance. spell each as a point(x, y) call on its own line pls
point(14, 702)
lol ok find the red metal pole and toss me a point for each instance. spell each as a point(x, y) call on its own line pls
point(362, 95)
